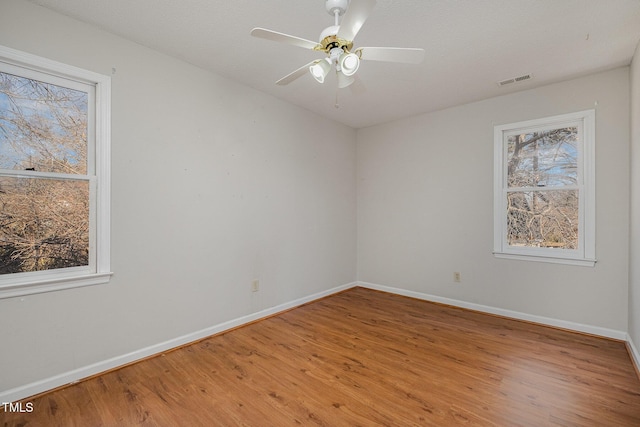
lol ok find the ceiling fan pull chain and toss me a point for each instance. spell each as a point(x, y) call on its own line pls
point(337, 105)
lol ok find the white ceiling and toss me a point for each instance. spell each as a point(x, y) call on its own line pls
point(470, 45)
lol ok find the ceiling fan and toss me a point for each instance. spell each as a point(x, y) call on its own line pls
point(337, 42)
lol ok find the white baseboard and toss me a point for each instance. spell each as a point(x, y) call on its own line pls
point(635, 356)
point(25, 391)
point(578, 327)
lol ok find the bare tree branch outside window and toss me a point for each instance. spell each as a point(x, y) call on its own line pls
point(44, 220)
point(542, 202)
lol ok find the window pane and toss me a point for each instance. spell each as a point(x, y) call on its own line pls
point(543, 159)
point(43, 126)
point(543, 219)
point(44, 224)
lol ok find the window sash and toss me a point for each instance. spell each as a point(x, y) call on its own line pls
point(67, 82)
point(560, 124)
point(91, 266)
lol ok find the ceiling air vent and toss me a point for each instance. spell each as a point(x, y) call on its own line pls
point(518, 79)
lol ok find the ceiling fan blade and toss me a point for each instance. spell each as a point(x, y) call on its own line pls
point(407, 55)
point(355, 16)
point(296, 74)
point(275, 36)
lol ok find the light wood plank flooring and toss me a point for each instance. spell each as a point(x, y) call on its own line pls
point(363, 358)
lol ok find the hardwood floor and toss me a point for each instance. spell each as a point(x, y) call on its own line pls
point(363, 358)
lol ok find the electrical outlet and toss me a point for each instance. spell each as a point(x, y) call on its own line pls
point(456, 276)
point(255, 285)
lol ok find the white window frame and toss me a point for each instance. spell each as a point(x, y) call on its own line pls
point(98, 175)
point(584, 255)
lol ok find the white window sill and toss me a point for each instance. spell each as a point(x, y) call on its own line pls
point(554, 260)
point(52, 284)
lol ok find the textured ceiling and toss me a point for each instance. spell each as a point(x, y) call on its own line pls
point(470, 45)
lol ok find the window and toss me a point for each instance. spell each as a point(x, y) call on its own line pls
point(544, 189)
point(54, 175)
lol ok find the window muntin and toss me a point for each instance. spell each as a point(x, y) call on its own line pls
point(54, 175)
point(544, 189)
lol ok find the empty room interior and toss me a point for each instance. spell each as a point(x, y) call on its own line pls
point(320, 212)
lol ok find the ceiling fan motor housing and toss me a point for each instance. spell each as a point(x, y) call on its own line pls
point(329, 40)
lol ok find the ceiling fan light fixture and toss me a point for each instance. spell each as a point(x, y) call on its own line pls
point(320, 69)
point(349, 64)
